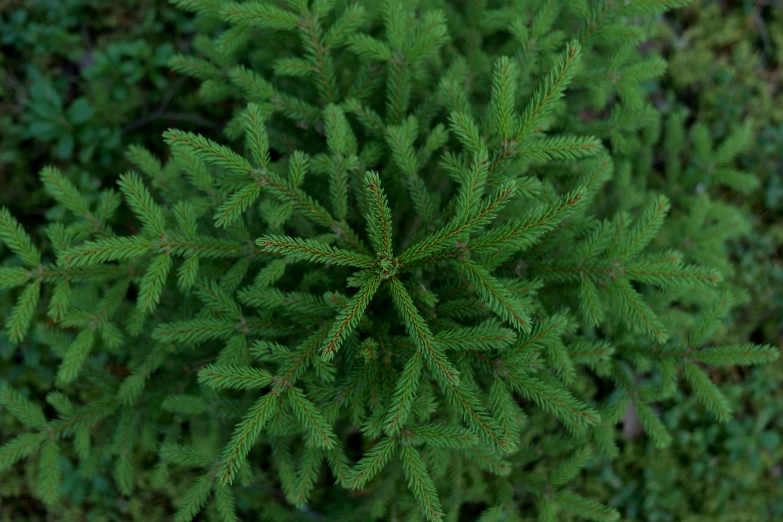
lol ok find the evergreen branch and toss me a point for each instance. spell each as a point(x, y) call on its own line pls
point(739, 354)
point(502, 99)
point(60, 402)
point(707, 392)
point(65, 192)
point(193, 67)
point(307, 474)
point(735, 143)
point(59, 302)
point(338, 462)
point(349, 317)
point(489, 461)
point(233, 377)
point(498, 513)
point(477, 417)
point(571, 467)
point(313, 210)
point(486, 336)
point(420, 483)
point(225, 503)
point(521, 234)
point(544, 334)
point(594, 244)
point(198, 6)
point(645, 229)
point(218, 299)
point(371, 120)
point(398, 82)
point(430, 33)
point(132, 387)
point(466, 131)
point(86, 415)
point(582, 352)
point(258, 89)
point(345, 25)
point(23, 311)
point(283, 460)
point(508, 413)
point(404, 394)
point(296, 366)
point(293, 67)
point(368, 47)
point(470, 193)
point(446, 437)
point(558, 402)
point(103, 250)
point(338, 138)
point(709, 320)
point(400, 139)
point(638, 311)
point(743, 182)
point(153, 282)
point(257, 140)
point(142, 204)
point(496, 295)
point(653, 425)
point(343, 391)
point(314, 251)
point(590, 302)
point(194, 331)
point(245, 435)
point(13, 276)
point(14, 236)
point(208, 247)
point(295, 303)
point(237, 204)
point(308, 415)
point(49, 475)
point(75, 356)
point(379, 223)
point(372, 462)
point(550, 91)
point(559, 148)
point(22, 408)
point(261, 15)
point(672, 274)
point(439, 365)
point(208, 151)
point(438, 240)
point(20, 447)
point(194, 499)
point(186, 216)
point(323, 64)
point(480, 324)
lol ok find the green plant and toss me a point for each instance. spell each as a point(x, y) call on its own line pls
point(79, 80)
point(713, 472)
point(726, 472)
point(401, 299)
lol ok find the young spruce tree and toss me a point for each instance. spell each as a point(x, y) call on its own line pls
point(398, 293)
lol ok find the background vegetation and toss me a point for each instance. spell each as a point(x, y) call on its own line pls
point(724, 74)
point(81, 80)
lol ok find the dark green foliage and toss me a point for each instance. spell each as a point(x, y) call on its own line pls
point(721, 97)
point(79, 81)
point(429, 269)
